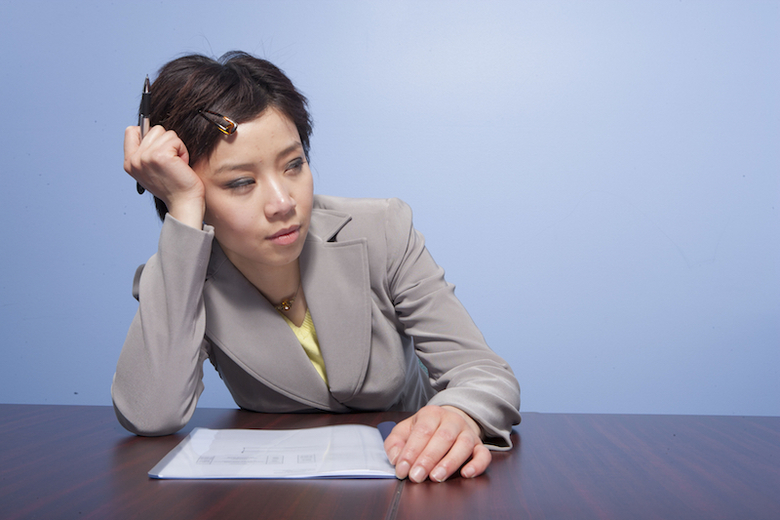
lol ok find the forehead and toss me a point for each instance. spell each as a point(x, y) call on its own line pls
point(260, 140)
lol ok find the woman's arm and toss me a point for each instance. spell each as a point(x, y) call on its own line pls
point(158, 377)
point(478, 396)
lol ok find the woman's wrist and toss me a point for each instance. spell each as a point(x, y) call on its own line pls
point(189, 212)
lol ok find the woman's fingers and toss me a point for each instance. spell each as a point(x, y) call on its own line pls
point(423, 428)
point(131, 144)
point(434, 443)
point(480, 460)
point(160, 163)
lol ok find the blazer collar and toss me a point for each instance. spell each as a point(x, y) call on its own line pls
point(326, 223)
point(335, 279)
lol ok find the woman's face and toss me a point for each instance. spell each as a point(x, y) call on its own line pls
point(259, 193)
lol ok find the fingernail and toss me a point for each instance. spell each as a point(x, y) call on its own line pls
point(393, 455)
point(417, 474)
point(468, 472)
point(438, 474)
point(402, 469)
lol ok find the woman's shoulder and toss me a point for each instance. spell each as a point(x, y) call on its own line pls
point(385, 219)
point(360, 206)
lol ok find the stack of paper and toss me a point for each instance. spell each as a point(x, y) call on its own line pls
point(345, 451)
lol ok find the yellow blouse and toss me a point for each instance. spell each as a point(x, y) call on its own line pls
point(307, 336)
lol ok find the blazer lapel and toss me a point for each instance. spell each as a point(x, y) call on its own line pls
point(336, 282)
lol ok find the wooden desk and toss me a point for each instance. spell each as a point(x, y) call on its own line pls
point(77, 462)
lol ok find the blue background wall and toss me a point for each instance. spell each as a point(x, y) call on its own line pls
point(601, 180)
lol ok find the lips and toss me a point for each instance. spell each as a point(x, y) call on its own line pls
point(285, 236)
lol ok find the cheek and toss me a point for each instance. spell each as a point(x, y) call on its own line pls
point(233, 221)
point(226, 216)
point(305, 195)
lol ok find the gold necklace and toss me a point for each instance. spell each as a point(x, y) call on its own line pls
point(287, 303)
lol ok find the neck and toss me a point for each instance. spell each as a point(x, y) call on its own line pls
point(278, 284)
point(275, 283)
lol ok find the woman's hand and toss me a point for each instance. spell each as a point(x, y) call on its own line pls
point(434, 443)
point(160, 163)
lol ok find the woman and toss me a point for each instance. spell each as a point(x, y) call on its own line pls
point(301, 302)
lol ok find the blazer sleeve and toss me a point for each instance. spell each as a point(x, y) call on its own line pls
point(463, 370)
point(158, 378)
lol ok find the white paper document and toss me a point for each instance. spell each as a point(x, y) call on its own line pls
point(344, 451)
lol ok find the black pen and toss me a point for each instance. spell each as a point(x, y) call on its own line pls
point(143, 119)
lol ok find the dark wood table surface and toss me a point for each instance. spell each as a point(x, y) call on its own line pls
point(77, 462)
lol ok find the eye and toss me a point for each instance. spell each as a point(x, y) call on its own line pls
point(295, 165)
point(241, 184)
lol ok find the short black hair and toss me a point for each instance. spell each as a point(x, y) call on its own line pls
point(237, 85)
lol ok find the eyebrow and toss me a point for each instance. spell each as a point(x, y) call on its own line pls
point(295, 146)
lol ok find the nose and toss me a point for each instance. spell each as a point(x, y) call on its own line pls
point(279, 201)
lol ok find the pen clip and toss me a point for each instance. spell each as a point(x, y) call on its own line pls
point(226, 125)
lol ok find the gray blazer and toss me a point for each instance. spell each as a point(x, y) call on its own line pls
point(392, 333)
